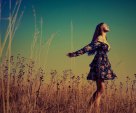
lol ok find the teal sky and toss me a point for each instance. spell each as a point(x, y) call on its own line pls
point(84, 15)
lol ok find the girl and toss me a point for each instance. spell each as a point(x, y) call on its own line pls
point(100, 67)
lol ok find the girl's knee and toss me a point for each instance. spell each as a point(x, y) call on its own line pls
point(100, 91)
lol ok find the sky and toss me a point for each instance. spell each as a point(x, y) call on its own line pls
point(70, 25)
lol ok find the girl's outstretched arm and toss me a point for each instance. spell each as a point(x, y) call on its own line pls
point(87, 48)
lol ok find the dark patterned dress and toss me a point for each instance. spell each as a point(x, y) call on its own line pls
point(100, 67)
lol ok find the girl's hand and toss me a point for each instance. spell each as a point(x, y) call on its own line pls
point(70, 55)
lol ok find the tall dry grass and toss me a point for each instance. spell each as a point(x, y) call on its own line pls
point(30, 93)
point(12, 26)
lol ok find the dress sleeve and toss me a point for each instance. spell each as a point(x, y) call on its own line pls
point(88, 48)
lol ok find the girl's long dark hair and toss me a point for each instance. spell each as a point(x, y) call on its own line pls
point(95, 36)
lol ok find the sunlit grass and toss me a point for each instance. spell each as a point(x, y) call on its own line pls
point(29, 91)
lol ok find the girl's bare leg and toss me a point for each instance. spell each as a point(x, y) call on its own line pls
point(95, 99)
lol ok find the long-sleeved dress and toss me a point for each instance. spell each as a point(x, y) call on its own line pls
point(100, 67)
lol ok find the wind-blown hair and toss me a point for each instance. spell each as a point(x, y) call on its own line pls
point(95, 36)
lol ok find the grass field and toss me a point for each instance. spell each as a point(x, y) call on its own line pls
point(30, 93)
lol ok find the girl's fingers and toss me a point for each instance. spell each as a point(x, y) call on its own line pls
point(69, 54)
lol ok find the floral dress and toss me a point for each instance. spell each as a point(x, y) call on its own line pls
point(100, 67)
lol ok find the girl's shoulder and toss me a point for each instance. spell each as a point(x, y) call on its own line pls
point(100, 38)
